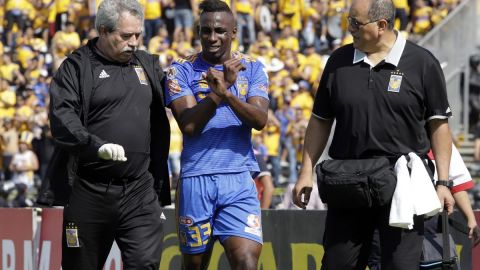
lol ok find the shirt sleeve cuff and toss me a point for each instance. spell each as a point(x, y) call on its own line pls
point(462, 187)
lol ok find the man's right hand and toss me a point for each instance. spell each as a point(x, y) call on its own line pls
point(303, 187)
point(231, 68)
point(110, 151)
point(446, 199)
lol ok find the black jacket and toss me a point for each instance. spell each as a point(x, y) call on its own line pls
point(70, 94)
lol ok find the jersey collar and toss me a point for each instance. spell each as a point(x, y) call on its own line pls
point(393, 56)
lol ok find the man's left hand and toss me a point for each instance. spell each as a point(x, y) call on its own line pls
point(446, 198)
point(475, 233)
point(231, 67)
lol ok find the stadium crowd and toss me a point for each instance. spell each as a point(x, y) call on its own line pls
point(293, 38)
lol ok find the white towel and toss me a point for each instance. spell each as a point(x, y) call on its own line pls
point(402, 209)
point(414, 193)
point(425, 199)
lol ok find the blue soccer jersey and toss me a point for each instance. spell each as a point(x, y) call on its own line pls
point(224, 145)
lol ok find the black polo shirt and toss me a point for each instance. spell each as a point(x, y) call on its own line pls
point(120, 113)
point(381, 110)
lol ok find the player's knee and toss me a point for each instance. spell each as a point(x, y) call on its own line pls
point(250, 263)
point(243, 259)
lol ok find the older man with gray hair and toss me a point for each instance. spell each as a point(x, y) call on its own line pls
point(107, 112)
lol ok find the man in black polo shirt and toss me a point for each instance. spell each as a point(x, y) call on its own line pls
point(382, 90)
point(107, 112)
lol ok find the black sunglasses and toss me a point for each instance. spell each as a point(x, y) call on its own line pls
point(356, 24)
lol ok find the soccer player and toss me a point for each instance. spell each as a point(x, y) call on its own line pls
point(217, 96)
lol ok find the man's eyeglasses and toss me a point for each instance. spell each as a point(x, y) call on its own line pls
point(356, 24)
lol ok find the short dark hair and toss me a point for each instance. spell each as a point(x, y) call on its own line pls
point(382, 9)
point(214, 6)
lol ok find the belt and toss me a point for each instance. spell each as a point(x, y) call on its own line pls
point(96, 177)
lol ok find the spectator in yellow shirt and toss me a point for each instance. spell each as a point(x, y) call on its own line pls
point(311, 69)
point(153, 19)
point(15, 15)
point(262, 40)
point(160, 42)
point(23, 114)
point(299, 128)
point(28, 38)
point(272, 142)
point(25, 53)
point(63, 43)
point(421, 21)
point(10, 71)
point(303, 99)
point(287, 40)
point(290, 14)
point(401, 13)
point(310, 18)
point(8, 100)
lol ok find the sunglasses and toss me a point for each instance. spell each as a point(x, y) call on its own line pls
point(356, 24)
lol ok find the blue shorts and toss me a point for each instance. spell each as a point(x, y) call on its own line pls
point(216, 206)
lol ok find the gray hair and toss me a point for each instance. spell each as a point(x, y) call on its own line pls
point(382, 9)
point(109, 12)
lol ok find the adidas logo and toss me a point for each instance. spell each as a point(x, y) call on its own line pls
point(103, 74)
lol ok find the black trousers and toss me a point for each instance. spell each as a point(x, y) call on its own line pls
point(99, 213)
point(348, 239)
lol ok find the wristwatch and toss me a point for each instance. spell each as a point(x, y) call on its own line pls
point(446, 183)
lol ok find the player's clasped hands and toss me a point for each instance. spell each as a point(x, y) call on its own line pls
point(111, 151)
point(216, 81)
point(219, 81)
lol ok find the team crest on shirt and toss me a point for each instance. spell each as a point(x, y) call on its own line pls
point(173, 86)
point(242, 85)
point(395, 82)
point(141, 75)
point(71, 233)
point(171, 73)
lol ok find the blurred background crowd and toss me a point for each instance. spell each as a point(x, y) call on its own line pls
point(293, 38)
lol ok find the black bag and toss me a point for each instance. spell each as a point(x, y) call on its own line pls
point(438, 250)
point(356, 183)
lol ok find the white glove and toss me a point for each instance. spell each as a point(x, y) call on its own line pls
point(110, 151)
